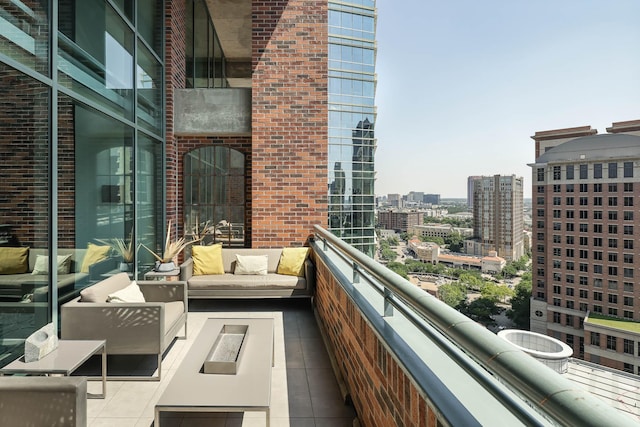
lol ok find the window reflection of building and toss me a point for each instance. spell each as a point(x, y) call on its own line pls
point(336, 194)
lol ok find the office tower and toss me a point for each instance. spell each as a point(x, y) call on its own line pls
point(431, 199)
point(497, 217)
point(585, 251)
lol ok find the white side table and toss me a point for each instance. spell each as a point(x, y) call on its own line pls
point(64, 360)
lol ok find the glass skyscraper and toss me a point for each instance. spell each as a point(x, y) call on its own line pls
point(352, 116)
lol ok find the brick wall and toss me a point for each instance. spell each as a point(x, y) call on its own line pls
point(382, 394)
point(289, 121)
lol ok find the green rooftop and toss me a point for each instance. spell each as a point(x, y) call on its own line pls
point(613, 322)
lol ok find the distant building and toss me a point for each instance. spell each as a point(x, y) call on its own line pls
point(430, 252)
point(394, 200)
point(497, 217)
point(586, 255)
point(431, 199)
point(470, 181)
point(439, 230)
point(399, 221)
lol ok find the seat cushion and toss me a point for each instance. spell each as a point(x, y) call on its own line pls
point(172, 312)
point(233, 281)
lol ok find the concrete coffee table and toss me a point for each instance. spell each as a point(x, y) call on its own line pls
point(249, 389)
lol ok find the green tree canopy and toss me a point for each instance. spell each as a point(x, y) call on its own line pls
point(452, 294)
point(521, 303)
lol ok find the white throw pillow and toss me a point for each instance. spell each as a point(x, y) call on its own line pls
point(251, 264)
point(41, 265)
point(131, 293)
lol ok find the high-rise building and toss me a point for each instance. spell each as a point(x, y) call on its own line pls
point(352, 117)
point(254, 114)
point(470, 181)
point(585, 252)
point(497, 217)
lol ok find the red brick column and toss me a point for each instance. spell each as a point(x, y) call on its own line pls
point(289, 121)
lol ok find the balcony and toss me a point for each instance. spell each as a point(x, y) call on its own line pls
point(373, 347)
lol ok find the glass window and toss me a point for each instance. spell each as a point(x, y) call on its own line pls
point(597, 170)
point(98, 68)
point(24, 33)
point(583, 172)
point(149, 85)
point(149, 23)
point(24, 203)
point(214, 196)
point(569, 171)
point(628, 169)
point(612, 169)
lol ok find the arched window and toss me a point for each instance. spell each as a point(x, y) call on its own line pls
point(214, 195)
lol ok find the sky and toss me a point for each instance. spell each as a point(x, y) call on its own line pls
point(464, 84)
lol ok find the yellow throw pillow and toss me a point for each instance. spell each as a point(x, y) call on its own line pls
point(207, 259)
point(292, 261)
point(14, 260)
point(94, 254)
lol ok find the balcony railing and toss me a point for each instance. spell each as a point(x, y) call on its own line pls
point(465, 373)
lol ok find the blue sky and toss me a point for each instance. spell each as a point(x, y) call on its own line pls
point(464, 84)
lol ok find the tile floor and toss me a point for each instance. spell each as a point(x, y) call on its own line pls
point(304, 391)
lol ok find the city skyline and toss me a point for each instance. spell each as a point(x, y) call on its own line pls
point(483, 79)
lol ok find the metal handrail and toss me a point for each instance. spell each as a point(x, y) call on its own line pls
point(550, 393)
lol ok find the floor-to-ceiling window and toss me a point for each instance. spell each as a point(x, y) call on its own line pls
point(82, 150)
point(351, 122)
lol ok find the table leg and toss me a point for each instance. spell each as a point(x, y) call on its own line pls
point(104, 377)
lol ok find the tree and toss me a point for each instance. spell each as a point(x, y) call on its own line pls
point(435, 239)
point(521, 303)
point(496, 293)
point(452, 294)
point(481, 310)
point(455, 242)
point(399, 268)
point(389, 254)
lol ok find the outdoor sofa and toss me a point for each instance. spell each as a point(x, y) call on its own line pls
point(233, 273)
point(146, 327)
point(22, 276)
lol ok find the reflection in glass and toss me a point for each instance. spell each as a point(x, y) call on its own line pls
point(351, 124)
point(95, 54)
point(149, 197)
point(23, 33)
point(214, 195)
point(149, 84)
point(24, 208)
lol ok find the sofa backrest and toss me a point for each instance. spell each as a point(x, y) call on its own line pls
point(77, 255)
point(99, 291)
point(229, 257)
